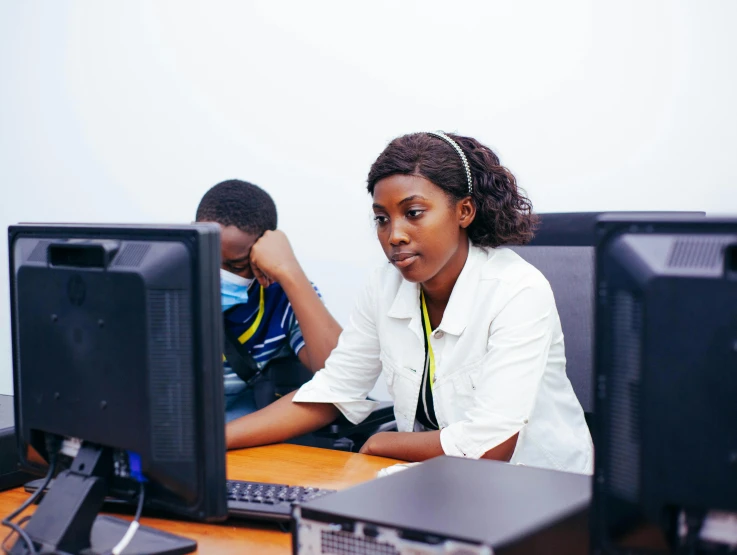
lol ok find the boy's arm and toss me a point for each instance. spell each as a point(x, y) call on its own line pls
point(272, 259)
point(350, 374)
point(278, 422)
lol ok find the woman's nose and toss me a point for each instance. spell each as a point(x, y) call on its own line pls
point(398, 235)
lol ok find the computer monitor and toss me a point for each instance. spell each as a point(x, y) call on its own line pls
point(117, 350)
point(665, 381)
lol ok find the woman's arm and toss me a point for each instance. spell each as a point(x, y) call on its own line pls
point(420, 446)
point(277, 422)
point(505, 390)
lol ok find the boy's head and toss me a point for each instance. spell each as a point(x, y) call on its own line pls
point(244, 212)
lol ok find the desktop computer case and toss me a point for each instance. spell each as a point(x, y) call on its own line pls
point(453, 506)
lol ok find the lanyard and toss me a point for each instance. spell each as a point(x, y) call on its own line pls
point(246, 335)
point(429, 356)
point(241, 361)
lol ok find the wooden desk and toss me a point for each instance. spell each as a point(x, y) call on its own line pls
point(290, 464)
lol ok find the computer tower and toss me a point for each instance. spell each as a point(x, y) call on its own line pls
point(451, 505)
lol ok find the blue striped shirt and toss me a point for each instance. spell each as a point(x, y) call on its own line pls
point(277, 336)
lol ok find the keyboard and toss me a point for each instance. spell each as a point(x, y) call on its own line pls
point(265, 501)
point(247, 500)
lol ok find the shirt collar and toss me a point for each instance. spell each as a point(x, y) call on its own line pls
point(407, 301)
point(461, 303)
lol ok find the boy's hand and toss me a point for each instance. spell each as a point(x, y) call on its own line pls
point(272, 258)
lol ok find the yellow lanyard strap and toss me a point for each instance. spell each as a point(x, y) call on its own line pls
point(427, 328)
point(246, 335)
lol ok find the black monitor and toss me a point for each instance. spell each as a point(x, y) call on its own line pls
point(117, 346)
point(666, 382)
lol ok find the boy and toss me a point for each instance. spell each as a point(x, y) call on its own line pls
point(271, 311)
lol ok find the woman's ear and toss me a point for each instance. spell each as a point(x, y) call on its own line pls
point(466, 211)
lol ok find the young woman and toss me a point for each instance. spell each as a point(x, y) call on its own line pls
point(465, 332)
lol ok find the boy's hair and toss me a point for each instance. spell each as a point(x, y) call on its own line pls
point(240, 204)
point(503, 212)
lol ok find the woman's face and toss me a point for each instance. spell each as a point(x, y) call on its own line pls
point(421, 230)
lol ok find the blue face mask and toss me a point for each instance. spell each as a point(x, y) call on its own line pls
point(233, 289)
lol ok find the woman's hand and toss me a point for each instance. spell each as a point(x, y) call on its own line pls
point(369, 447)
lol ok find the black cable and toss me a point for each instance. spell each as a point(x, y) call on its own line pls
point(36, 494)
point(3, 545)
point(53, 444)
point(16, 529)
point(7, 521)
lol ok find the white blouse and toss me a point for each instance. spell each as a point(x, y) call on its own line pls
point(499, 363)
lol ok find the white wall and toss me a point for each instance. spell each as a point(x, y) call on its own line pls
point(128, 111)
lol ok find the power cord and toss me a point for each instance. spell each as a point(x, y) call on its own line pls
point(53, 444)
point(133, 528)
point(21, 522)
point(15, 529)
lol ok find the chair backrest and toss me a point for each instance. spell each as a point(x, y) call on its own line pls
point(563, 250)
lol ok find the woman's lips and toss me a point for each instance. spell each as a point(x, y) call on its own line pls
point(403, 259)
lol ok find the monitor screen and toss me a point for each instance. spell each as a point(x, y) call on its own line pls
point(666, 380)
point(117, 346)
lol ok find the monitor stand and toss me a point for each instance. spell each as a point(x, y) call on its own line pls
point(67, 521)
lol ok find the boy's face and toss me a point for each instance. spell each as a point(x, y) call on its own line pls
point(235, 250)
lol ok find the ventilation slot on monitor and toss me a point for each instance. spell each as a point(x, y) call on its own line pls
point(624, 398)
point(132, 254)
point(344, 542)
point(171, 377)
point(38, 254)
point(696, 253)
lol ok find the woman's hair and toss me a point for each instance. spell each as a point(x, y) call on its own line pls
point(239, 203)
point(503, 213)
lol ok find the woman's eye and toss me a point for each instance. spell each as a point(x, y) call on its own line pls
point(380, 219)
point(414, 213)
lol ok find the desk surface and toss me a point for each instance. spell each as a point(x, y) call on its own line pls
point(291, 464)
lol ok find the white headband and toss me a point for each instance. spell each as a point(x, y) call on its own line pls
point(458, 149)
